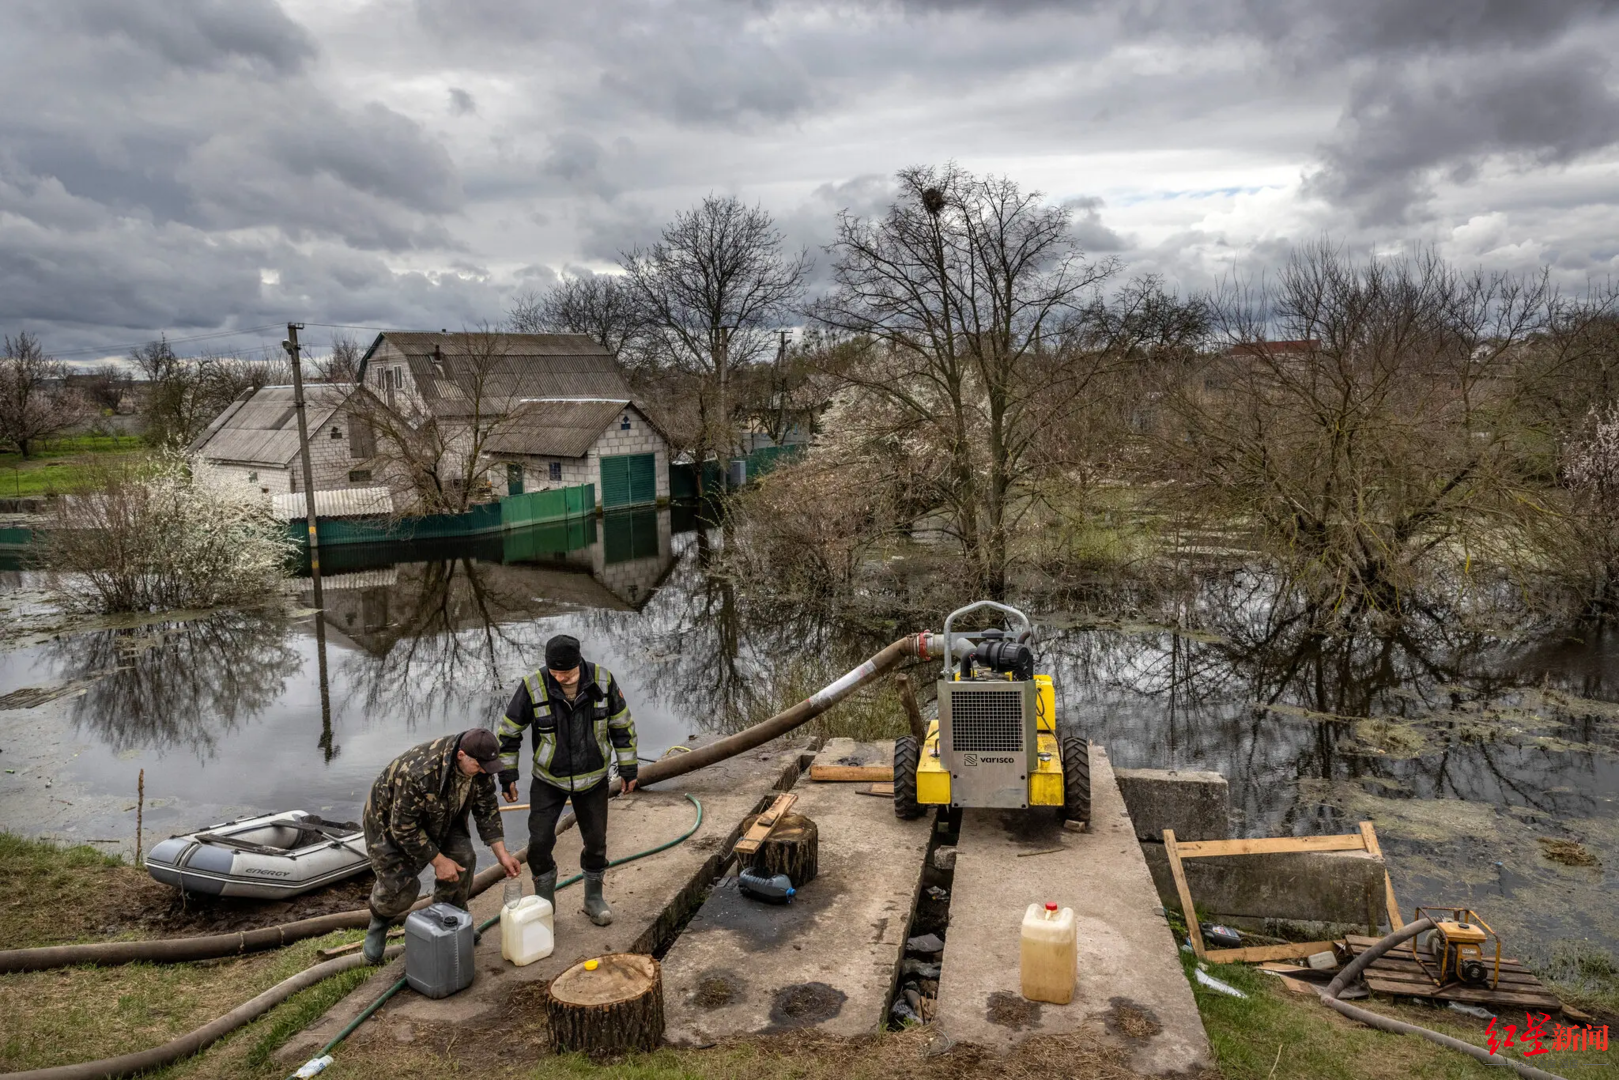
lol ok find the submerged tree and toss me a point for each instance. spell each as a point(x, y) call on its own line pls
point(968, 293)
point(1362, 422)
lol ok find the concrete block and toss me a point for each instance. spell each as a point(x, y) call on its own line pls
point(1311, 886)
point(1197, 805)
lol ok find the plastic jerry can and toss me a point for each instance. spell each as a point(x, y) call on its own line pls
point(527, 932)
point(438, 950)
point(771, 888)
point(1050, 954)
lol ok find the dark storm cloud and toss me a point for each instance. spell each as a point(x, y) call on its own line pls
point(461, 102)
point(1405, 127)
point(190, 34)
point(1092, 235)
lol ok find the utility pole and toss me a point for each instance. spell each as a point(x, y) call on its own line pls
point(291, 345)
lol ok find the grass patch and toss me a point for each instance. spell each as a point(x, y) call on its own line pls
point(1567, 852)
point(299, 1011)
point(54, 894)
point(1274, 1034)
point(59, 466)
point(1583, 975)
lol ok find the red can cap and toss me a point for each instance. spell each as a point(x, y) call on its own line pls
point(1051, 907)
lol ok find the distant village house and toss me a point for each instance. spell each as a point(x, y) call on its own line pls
point(556, 409)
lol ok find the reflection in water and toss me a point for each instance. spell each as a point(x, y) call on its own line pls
point(176, 685)
point(440, 637)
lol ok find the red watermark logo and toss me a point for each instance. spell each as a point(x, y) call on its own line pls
point(1531, 1040)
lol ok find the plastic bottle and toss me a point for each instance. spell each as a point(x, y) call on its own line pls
point(527, 930)
point(773, 889)
point(1049, 954)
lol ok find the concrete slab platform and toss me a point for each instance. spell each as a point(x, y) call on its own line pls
point(648, 896)
point(849, 752)
point(830, 959)
point(1128, 963)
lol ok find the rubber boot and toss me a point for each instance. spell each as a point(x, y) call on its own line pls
point(376, 940)
point(595, 906)
point(545, 887)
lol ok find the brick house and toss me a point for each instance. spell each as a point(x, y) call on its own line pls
point(255, 441)
point(558, 442)
point(564, 408)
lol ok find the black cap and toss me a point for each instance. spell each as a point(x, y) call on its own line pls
point(562, 653)
point(481, 746)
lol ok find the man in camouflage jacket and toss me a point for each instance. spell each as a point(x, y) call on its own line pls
point(416, 816)
point(581, 725)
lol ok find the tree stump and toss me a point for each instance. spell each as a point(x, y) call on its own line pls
point(616, 1007)
point(791, 849)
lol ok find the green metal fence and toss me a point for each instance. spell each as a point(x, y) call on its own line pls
point(683, 475)
point(513, 512)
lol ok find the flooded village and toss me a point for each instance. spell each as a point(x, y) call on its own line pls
point(769, 541)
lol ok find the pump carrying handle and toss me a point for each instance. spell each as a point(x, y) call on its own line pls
point(950, 658)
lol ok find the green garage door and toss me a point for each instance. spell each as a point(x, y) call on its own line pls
point(629, 480)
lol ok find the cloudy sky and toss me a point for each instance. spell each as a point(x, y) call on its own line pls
point(200, 166)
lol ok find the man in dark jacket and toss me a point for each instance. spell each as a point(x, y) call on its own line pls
point(416, 815)
point(580, 720)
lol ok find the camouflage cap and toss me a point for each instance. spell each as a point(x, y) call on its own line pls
point(481, 746)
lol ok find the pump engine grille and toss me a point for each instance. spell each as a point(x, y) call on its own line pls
point(986, 720)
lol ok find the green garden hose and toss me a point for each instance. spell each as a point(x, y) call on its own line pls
point(315, 1064)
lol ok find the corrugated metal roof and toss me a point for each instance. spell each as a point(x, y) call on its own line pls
point(262, 429)
point(448, 368)
point(556, 427)
point(336, 502)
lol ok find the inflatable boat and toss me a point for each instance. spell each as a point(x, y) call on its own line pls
point(269, 857)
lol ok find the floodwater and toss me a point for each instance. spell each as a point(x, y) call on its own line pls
point(1467, 752)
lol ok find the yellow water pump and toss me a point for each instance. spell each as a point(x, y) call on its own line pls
point(996, 742)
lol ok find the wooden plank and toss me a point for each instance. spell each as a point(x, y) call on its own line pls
point(1271, 845)
point(1193, 931)
point(851, 773)
point(1519, 979)
point(760, 829)
point(886, 790)
point(1389, 902)
point(1253, 954)
point(1475, 994)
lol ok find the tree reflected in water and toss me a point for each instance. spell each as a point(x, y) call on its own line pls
point(173, 685)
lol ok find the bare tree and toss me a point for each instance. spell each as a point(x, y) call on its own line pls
point(106, 387)
point(342, 363)
point(431, 452)
point(35, 399)
point(968, 292)
point(1363, 420)
point(185, 393)
point(601, 305)
point(710, 292)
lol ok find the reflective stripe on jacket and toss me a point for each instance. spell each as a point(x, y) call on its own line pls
point(572, 740)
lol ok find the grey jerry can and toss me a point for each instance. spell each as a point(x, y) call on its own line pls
point(438, 950)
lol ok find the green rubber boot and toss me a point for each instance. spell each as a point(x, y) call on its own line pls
point(376, 940)
point(595, 906)
point(545, 887)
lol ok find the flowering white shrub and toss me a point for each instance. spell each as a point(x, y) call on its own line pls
point(152, 537)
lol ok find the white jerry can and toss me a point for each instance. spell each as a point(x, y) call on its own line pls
point(1050, 954)
point(527, 932)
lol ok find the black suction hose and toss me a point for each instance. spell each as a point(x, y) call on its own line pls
point(1352, 971)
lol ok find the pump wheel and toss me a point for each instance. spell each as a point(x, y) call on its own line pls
point(906, 755)
point(1076, 779)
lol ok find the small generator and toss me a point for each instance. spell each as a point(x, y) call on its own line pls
point(1453, 951)
point(996, 742)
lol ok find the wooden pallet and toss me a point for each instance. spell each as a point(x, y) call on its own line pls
point(1399, 973)
point(1364, 840)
